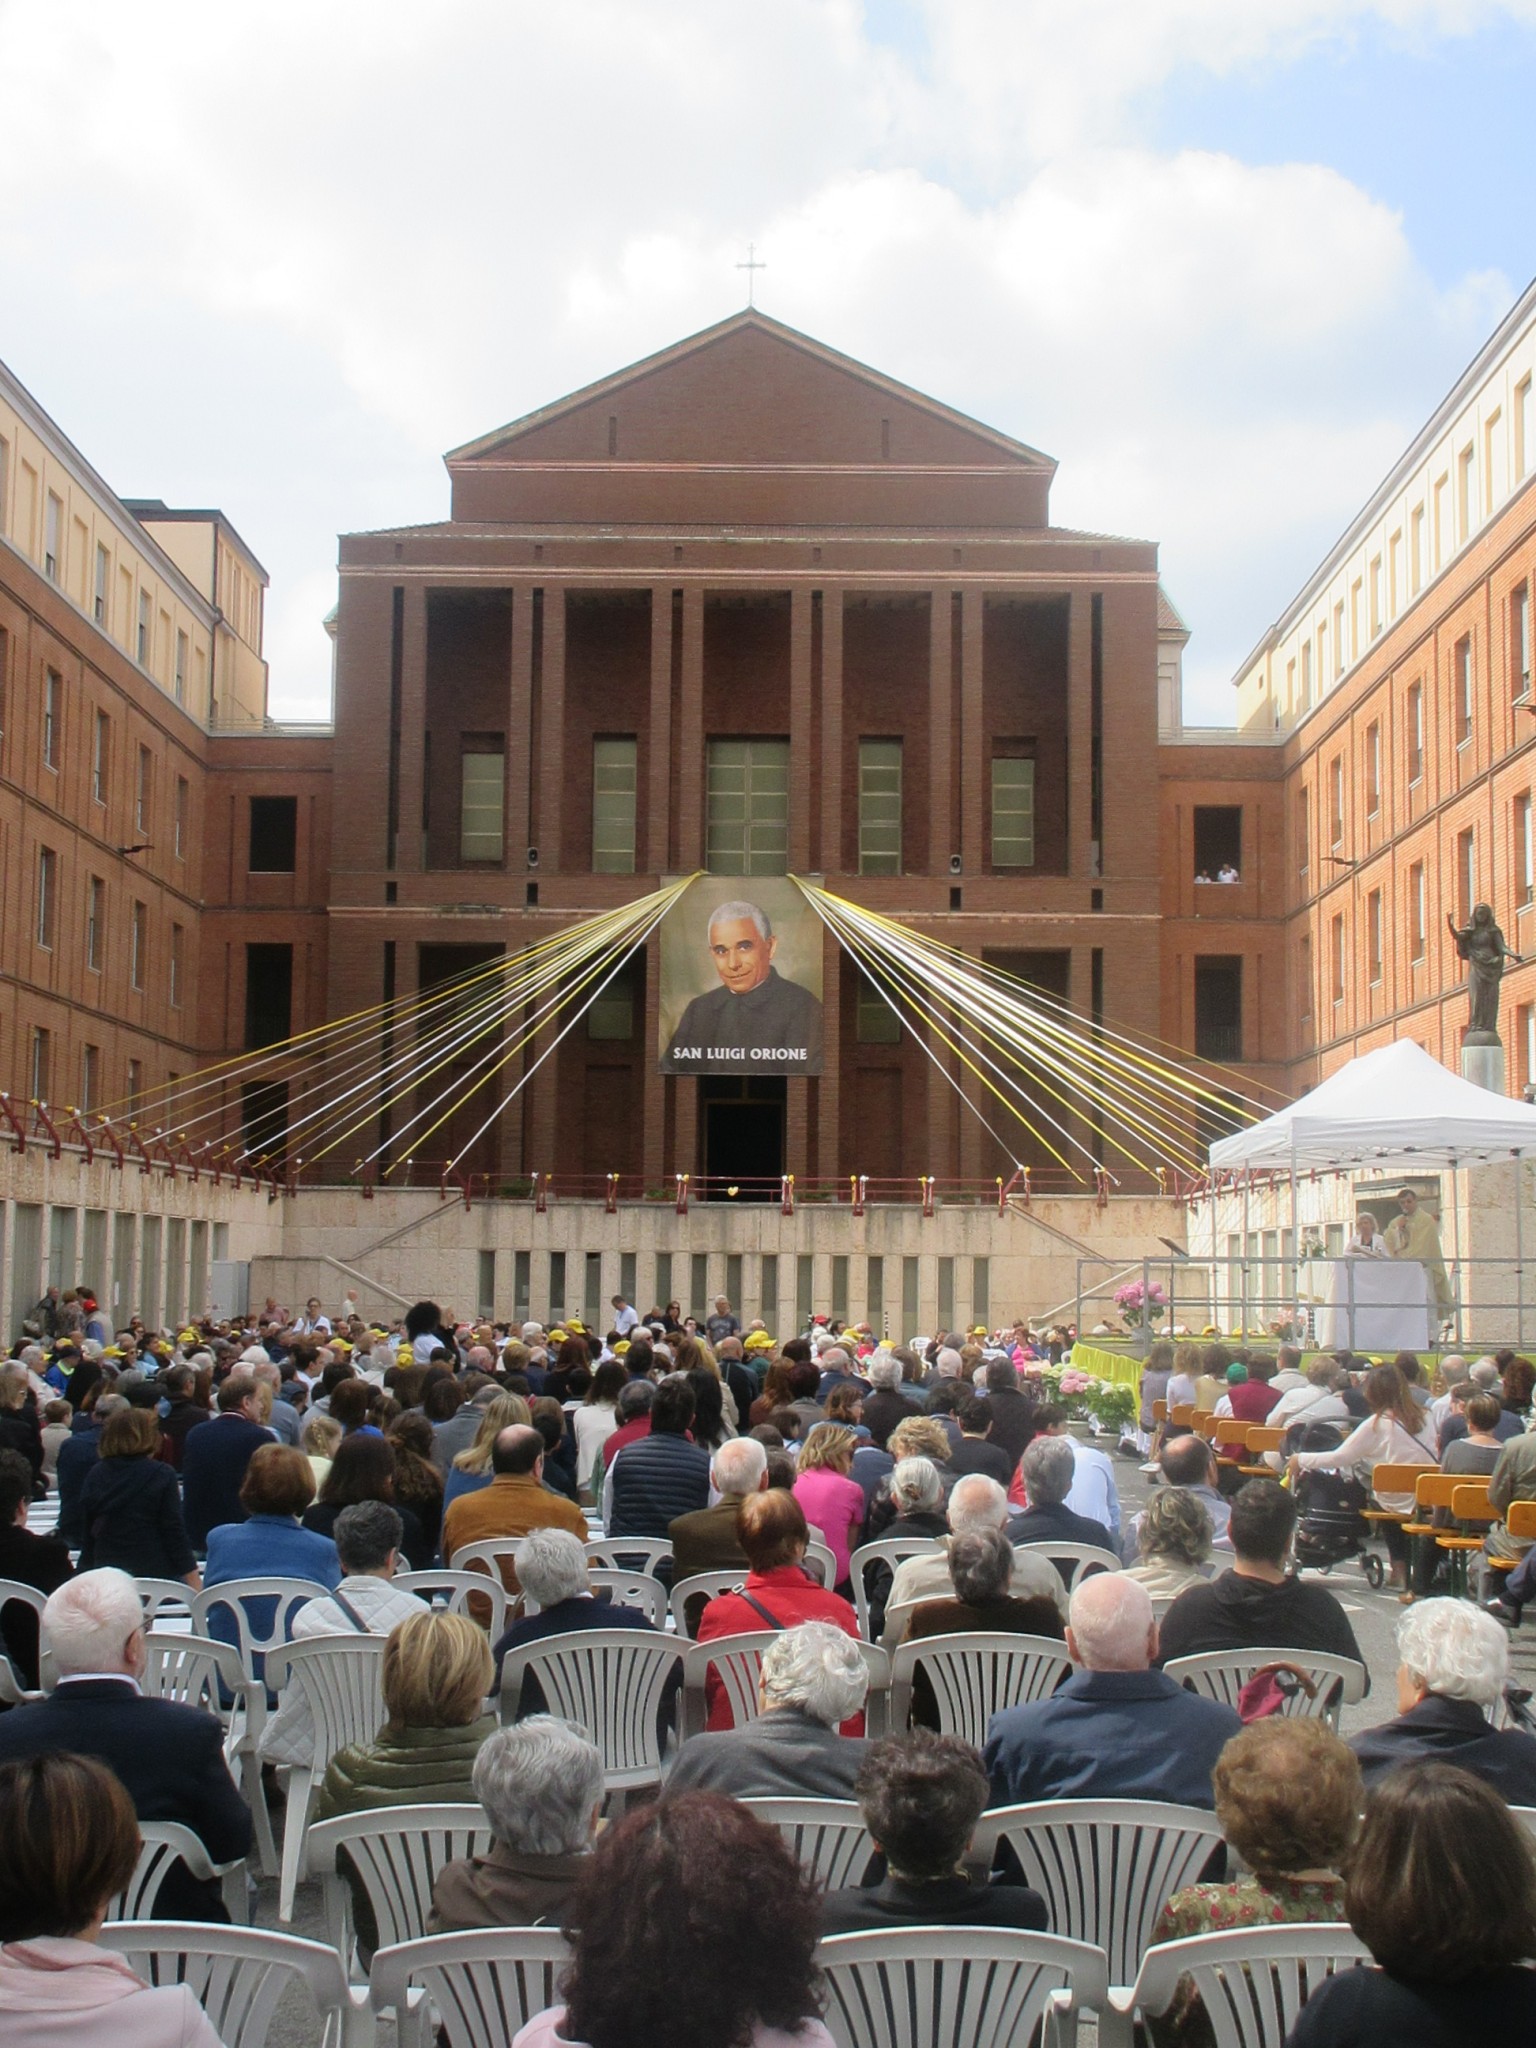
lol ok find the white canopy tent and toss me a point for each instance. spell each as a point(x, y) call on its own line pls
point(1392, 1107)
point(1396, 1109)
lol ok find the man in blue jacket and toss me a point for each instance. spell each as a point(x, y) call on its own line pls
point(1117, 1729)
point(215, 1456)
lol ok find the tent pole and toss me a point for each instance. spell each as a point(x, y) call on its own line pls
point(1295, 1303)
point(1456, 1295)
point(1519, 1256)
point(1243, 1284)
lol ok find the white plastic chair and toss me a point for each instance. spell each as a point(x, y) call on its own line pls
point(619, 1553)
point(1222, 1674)
point(1253, 1981)
point(631, 1589)
point(234, 1597)
point(1105, 1867)
point(196, 1671)
point(239, 1974)
point(738, 1660)
point(892, 1551)
point(974, 1675)
point(397, 1853)
point(819, 1561)
point(12, 1692)
point(934, 1987)
point(167, 1602)
point(454, 1587)
point(1082, 1558)
point(611, 1681)
point(707, 1583)
point(481, 1987)
point(29, 1596)
point(828, 1836)
point(165, 1843)
point(340, 1677)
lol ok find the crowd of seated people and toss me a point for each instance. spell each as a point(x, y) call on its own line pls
point(737, 1457)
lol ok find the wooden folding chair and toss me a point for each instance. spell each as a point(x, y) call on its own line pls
point(1520, 1523)
point(1261, 1438)
point(1230, 1438)
point(1182, 1415)
point(1395, 1479)
point(1471, 1509)
point(1432, 1489)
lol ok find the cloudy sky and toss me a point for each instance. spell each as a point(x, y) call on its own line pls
point(1219, 259)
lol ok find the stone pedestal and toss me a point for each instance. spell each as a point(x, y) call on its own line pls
point(1483, 1064)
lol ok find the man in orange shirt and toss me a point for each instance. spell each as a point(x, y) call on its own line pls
point(514, 1502)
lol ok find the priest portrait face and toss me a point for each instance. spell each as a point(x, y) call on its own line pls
point(1407, 1201)
point(742, 946)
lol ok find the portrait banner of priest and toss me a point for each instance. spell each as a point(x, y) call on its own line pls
point(741, 980)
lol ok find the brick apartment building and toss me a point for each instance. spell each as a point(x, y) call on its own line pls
point(749, 563)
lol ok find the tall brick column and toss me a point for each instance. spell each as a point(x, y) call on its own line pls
point(552, 728)
point(973, 768)
point(941, 830)
point(802, 741)
point(410, 853)
point(520, 765)
point(657, 846)
point(1080, 738)
point(688, 740)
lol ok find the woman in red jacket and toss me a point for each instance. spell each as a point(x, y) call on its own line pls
point(778, 1591)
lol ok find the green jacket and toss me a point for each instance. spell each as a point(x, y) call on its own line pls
point(405, 1767)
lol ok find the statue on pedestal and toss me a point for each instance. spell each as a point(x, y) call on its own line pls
point(1481, 945)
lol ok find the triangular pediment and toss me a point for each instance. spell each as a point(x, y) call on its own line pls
point(750, 391)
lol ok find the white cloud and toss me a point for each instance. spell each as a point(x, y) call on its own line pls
point(282, 256)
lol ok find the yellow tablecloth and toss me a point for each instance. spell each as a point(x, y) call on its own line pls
point(1114, 1366)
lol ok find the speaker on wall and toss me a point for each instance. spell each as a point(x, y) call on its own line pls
point(533, 856)
point(955, 864)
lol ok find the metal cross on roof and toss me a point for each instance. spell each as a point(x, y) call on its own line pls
point(749, 267)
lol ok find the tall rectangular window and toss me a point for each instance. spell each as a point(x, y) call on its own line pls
point(268, 994)
point(1418, 912)
point(1322, 657)
point(879, 807)
point(1520, 641)
point(1395, 574)
point(103, 579)
point(1303, 833)
point(1466, 492)
point(1340, 650)
point(142, 646)
point(1416, 564)
point(101, 756)
point(42, 1049)
point(143, 790)
point(1306, 675)
point(138, 945)
point(1378, 607)
point(178, 937)
point(47, 894)
point(5, 484)
point(1013, 812)
point(615, 795)
point(1356, 606)
point(1372, 770)
point(1462, 665)
point(875, 1020)
point(1493, 441)
point(95, 922)
point(135, 1086)
point(183, 812)
point(181, 666)
point(1466, 875)
point(1336, 802)
point(274, 835)
point(1522, 435)
point(1219, 1006)
point(1525, 852)
point(90, 1077)
point(482, 804)
point(53, 716)
point(1304, 973)
point(1442, 538)
point(1373, 935)
point(52, 538)
point(1415, 729)
point(747, 801)
point(1337, 957)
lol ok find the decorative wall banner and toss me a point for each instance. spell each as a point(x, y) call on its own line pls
point(741, 979)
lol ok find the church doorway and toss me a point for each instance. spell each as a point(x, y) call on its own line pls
point(743, 1131)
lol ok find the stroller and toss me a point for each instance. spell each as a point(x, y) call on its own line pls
point(1331, 1505)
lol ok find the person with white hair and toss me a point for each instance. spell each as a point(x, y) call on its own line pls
point(541, 1784)
point(976, 1503)
point(707, 1539)
point(1117, 1728)
point(169, 1757)
point(551, 1569)
point(813, 1678)
point(1048, 1471)
point(1452, 1667)
point(886, 1405)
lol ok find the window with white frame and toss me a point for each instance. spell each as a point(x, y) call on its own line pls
point(42, 1050)
point(90, 1077)
point(615, 803)
point(95, 922)
point(1416, 562)
point(1339, 956)
point(1525, 853)
point(747, 807)
point(1466, 492)
point(138, 945)
point(1013, 812)
point(47, 895)
point(1520, 641)
point(1522, 433)
point(1373, 769)
point(143, 790)
point(53, 542)
point(53, 715)
point(1466, 874)
point(181, 666)
point(183, 810)
point(1415, 732)
point(103, 584)
point(1373, 915)
point(146, 627)
point(879, 807)
point(1462, 673)
point(1418, 912)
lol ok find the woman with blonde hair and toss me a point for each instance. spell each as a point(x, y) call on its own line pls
point(437, 1671)
point(833, 1503)
point(471, 1469)
point(1175, 1540)
point(318, 1439)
